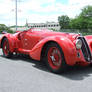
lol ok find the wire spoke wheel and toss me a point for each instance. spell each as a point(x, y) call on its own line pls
point(5, 48)
point(54, 58)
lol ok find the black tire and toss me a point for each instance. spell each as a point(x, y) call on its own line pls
point(58, 59)
point(5, 48)
point(90, 64)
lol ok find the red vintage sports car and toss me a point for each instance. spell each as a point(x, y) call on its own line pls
point(55, 48)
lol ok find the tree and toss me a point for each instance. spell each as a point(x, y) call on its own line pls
point(3, 27)
point(83, 22)
point(86, 16)
point(64, 21)
point(86, 12)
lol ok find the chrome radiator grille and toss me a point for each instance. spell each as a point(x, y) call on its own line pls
point(85, 49)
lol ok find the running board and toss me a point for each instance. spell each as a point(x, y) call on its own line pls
point(23, 51)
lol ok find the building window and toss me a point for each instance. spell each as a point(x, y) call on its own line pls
point(57, 25)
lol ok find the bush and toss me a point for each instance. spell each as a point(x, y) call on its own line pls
point(3, 27)
point(83, 32)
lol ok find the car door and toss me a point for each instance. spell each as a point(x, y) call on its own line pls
point(31, 39)
point(21, 37)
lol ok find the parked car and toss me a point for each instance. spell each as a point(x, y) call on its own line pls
point(55, 48)
point(4, 32)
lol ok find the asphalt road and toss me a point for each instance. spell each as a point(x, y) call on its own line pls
point(22, 74)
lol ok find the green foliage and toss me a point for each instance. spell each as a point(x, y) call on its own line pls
point(3, 27)
point(86, 12)
point(15, 26)
point(83, 22)
point(64, 21)
point(53, 29)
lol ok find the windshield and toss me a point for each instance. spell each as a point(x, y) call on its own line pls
point(40, 30)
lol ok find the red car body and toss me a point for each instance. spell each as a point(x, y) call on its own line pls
point(35, 42)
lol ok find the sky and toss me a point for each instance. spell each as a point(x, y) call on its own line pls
point(39, 11)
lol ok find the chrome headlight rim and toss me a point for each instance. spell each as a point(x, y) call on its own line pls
point(78, 44)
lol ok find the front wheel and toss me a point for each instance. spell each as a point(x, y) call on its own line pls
point(54, 58)
point(5, 48)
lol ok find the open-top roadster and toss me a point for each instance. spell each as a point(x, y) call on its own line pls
point(55, 48)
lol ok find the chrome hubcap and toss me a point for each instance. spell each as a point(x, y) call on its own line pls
point(5, 47)
point(53, 58)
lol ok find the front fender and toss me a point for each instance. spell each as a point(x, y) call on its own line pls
point(67, 46)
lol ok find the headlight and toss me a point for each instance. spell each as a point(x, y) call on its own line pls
point(78, 44)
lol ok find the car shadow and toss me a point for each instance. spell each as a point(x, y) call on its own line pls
point(71, 72)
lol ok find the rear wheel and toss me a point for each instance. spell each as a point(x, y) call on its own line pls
point(54, 58)
point(5, 48)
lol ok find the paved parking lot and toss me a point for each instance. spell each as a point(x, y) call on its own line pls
point(22, 74)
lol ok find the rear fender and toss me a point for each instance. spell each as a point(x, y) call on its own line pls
point(67, 46)
point(11, 41)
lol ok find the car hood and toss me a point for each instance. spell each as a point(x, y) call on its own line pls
point(71, 36)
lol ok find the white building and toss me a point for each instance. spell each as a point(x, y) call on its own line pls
point(48, 25)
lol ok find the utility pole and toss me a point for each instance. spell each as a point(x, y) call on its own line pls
point(16, 13)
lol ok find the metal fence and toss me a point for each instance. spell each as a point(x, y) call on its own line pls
point(82, 31)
